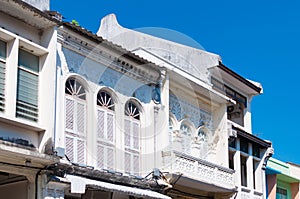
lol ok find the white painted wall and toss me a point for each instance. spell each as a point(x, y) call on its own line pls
point(42, 44)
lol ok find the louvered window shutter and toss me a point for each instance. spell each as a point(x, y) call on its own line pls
point(100, 123)
point(110, 158)
point(136, 134)
point(2, 74)
point(27, 86)
point(110, 126)
point(80, 151)
point(80, 118)
point(69, 114)
point(127, 162)
point(70, 148)
point(136, 164)
point(127, 133)
point(100, 156)
point(105, 157)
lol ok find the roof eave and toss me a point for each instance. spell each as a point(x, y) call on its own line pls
point(255, 88)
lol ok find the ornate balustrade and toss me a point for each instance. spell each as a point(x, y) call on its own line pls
point(197, 169)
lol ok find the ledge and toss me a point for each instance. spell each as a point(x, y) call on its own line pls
point(21, 123)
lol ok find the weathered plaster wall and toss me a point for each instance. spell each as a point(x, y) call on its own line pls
point(194, 61)
point(39, 4)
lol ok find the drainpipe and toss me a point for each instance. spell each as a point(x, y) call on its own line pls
point(156, 97)
point(269, 153)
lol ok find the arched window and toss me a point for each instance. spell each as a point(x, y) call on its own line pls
point(203, 141)
point(75, 121)
point(132, 137)
point(105, 130)
point(132, 110)
point(185, 131)
point(171, 129)
point(202, 136)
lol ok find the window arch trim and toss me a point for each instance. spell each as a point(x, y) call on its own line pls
point(78, 87)
point(133, 112)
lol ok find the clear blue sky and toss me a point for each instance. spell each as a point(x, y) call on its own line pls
point(258, 39)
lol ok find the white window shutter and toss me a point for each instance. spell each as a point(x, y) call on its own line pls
point(127, 133)
point(70, 148)
point(127, 162)
point(110, 127)
point(69, 114)
point(100, 156)
point(110, 158)
point(136, 164)
point(80, 151)
point(100, 124)
point(80, 118)
point(136, 135)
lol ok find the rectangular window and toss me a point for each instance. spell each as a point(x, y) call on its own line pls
point(231, 159)
point(2, 74)
point(75, 125)
point(255, 173)
point(27, 86)
point(243, 146)
point(281, 193)
point(132, 146)
point(228, 91)
point(232, 143)
point(255, 151)
point(244, 171)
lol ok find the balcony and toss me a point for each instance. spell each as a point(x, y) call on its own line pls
point(214, 177)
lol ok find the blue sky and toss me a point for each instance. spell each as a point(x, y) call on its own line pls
point(258, 39)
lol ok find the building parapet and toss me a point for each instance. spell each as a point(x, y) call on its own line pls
point(200, 170)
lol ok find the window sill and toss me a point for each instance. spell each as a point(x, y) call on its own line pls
point(245, 189)
point(258, 193)
point(21, 123)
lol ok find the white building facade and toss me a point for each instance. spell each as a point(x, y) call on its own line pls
point(211, 151)
point(81, 117)
point(27, 113)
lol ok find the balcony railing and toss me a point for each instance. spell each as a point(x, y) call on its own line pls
point(197, 169)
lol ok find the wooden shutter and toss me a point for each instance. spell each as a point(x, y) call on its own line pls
point(136, 164)
point(127, 162)
point(110, 157)
point(2, 85)
point(100, 124)
point(110, 126)
point(127, 133)
point(80, 118)
point(136, 134)
point(69, 114)
point(100, 156)
point(70, 148)
point(80, 151)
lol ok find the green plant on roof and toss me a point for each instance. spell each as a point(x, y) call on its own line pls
point(74, 22)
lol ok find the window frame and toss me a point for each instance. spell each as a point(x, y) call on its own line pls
point(107, 144)
point(25, 109)
point(131, 150)
point(74, 133)
point(3, 78)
